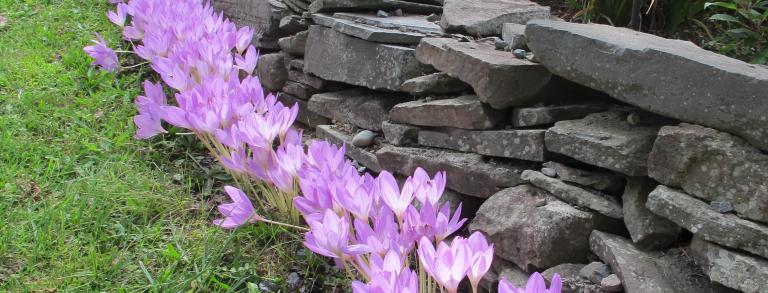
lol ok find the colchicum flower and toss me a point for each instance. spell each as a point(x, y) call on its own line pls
point(535, 284)
point(237, 213)
point(102, 55)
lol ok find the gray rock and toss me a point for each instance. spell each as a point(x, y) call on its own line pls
point(293, 281)
point(569, 275)
point(486, 17)
point(361, 155)
point(513, 275)
point(545, 115)
point(299, 90)
point(356, 5)
point(721, 206)
point(549, 172)
point(363, 138)
point(708, 89)
point(363, 108)
point(605, 140)
point(600, 180)
point(368, 32)
point(305, 116)
point(293, 24)
point(497, 77)
point(595, 271)
point(648, 230)
point(519, 53)
point(412, 23)
point(436, 83)
point(264, 15)
point(531, 236)
point(294, 45)
point(714, 166)
point(467, 173)
point(400, 134)
point(514, 35)
point(358, 62)
point(309, 80)
point(469, 204)
point(517, 144)
point(731, 268)
point(465, 112)
point(272, 71)
point(295, 64)
point(695, 216)
point(382, 14)
point(612, 283)
point(574, 195)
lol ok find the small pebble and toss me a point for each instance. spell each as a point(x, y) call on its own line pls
point(382, 13)
point(595, 272)
point(499, 44)
point(433, 17)
point(293, 280)
point(633, 119)
point(611, 283)
point(398, 12)
point(721, 206)
point(519, 53)
point(549, 172)
point(403, 28)
point(363, 138)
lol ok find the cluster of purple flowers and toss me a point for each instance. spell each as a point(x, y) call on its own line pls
point(389, 237)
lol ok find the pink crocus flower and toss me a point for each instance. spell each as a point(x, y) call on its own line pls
point(118, 17)
point(482, 256)
point(535, 284)
point(236, 213)
point(102, 55)
point(448, 265)
point(398, 200)
point(329, 236)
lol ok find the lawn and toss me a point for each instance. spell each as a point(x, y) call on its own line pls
point(85, 206)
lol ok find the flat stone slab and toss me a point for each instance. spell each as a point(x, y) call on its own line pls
point(497, 77)
point(272, 71)
point(465, 112)
point(359, 107)
point(546, 115)
point(486, 17)
point(733, 269)
point(262, 14)
point(467, 173)
point(434, 84)
point(647, 230)
point(411, 22)
point(368, 5)
point(400, 134)
point(361, 155)
point(574, 195)
point(600, 180)
point(605, 140)
point(708, 88)
point(714, 166)
point(696, 216)
point(528, 227)
point(517, 144)
point(368, 32)
point(294, 45)
point(299, 90)
point(305, 116)
point(338, 57)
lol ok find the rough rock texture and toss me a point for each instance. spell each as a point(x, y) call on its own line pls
point(708, 88)
point(527, 228)
point(293, 24)
point(368, 32)
point(400, 134)
point(272, 71)
point(262, 14)
point(300, 90)
point(436, 83)
point(467, 173)
point(310, 80)
point(733, 269)
point(605, 140)
point(695, 216)
point(517, 144)
point(294, 45)
point(356, 5)
point(545, 115)
point(361, 155)
point(573, 194)
point(648, 231)
point(463, 112)
point(498, 77)
point(569, 275)
point(411, 22)
point(486, 17)
point(600, 180)
point(358, 62)
point(595, 271)
point(712, 165)
point(363, 108)
point(305, 116)
point(514, 35)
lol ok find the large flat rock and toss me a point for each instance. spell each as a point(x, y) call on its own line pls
point(648, 230)
point(263, 15)
point(696, 216)
point(465, 112)
point(714, 166)
point(363, 156)
point(368, 32)
point(516, 144)
point(731, 268)
point(272, 71)
point(359, 107)
point(400, 134)
point(486, 17)
point(368, 5)
point(528, 226)
point(434, 84)
point(668, 77)
point(497, 77)
point(546, 115)
point(305, 116)
point(574, 194)
point(597, 179)
point(410, 22)
point(467, 173)
point(605, 140)
point(338, 57)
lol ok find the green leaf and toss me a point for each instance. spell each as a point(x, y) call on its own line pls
point(727, 5)
point(761, 58)
point(172, 253)
point(724, 17)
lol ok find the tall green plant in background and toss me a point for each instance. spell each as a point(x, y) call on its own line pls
point(658, 15)
point(746, 28)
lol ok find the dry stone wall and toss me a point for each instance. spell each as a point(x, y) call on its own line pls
point(620, 160)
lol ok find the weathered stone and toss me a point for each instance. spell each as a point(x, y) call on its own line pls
point(358, 5)
point(297, 6)
point(294, 45)
point(361, 155)
point(368, 32)
point(467, 173)
point(305, 116)
point(497, 77)
point(465, 112)
point(721, 206)
point(469, 204)
point(595, 271)
point(400, 134)
point(292, 24)
point(411, 23)
point(733, 269)
point(335, 56)
point(299, 90)
point(605, 140)
point(648, 230)
point(530, 235)
point(545, 115)
point(612, 283)
point(569, 276)
point(295, 65)
point(264, 15)
point(549, 172)
point(514, 35)
point(708, 89)
point(514, 276)
point(307, 79)
point(272, 71)
point(363, 108)
point(574, 195)
point(695, 216)
point(436, 83)
point(486, 17)
point(712, 165)
point(517, 144)
point(363, 138)
point(600, 180)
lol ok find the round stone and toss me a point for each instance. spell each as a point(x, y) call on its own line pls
point(363, 138)
point(611, 283)
point(519, 53)
point(549, 172)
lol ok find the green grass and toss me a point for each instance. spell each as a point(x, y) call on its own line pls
point(84, 206)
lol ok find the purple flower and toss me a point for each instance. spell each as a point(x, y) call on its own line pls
point(481, 258)
point(329, 236)
point(248, 61)
point(448, 265)
point(102, 55)
point(118, 17)
point(535, 284)
point(398, 200)
point(444, 225)
point(237, 213)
